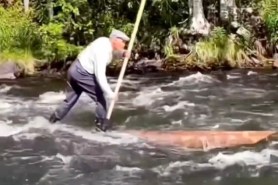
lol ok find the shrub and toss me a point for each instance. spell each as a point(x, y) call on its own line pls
point(270, 16)
point(54, 47)
point(19, 36)
point(219, 48)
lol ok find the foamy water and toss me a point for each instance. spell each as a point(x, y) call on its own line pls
point(232, 101)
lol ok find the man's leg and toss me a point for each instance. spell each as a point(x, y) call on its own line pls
point(93, 90)
point(72, 96)
point(101, 110)
point(101, 106)
point(73, 93)
point(88, 83)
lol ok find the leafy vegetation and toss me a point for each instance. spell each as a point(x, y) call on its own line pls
point(55, 31)
point(220, 48)
point(270, 16)
point(18, 38)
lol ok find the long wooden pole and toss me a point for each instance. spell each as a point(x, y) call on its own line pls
point(130, 45)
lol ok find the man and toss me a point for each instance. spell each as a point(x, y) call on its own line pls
point(88, 74)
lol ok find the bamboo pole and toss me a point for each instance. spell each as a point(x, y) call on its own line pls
point(138, 19)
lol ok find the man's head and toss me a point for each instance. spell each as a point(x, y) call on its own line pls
point(118, 40)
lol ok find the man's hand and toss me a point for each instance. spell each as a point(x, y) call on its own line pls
point(112, 96)
point(126, 54)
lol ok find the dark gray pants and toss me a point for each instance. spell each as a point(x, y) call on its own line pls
point(79, 80)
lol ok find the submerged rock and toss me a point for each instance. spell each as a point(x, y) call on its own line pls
point(146, 65)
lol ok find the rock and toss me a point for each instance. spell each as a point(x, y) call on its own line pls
point(235, 24)
point(9, 70)
point(147, 65)
point(244, 32)
point(275, 58)
point(248, 10)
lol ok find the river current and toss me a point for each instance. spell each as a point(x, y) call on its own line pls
point(35, 152)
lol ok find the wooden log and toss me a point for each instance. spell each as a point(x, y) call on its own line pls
point(204, 140)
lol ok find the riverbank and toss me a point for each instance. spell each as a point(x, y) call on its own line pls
point(213, 38)
point(139, 63)
point(219, 50)
point(172, 65)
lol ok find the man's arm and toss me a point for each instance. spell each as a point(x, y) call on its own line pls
point(100, 73)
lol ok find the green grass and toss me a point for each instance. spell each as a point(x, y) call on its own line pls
point(24, 59)
point(19, 38)
point(269, 12)
point(219, 49)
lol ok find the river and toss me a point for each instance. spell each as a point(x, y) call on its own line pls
point(35, 152)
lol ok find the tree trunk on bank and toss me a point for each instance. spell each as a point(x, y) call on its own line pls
point(26, 5)
point(50, 9)
point(228, 11)
point(199, 23)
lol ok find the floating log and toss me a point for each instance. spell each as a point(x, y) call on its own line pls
point(205, 140)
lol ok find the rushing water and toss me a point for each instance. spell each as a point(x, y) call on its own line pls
point(33, 151)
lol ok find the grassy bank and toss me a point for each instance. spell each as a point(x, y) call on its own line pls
point(56, 32)
point(30, 44)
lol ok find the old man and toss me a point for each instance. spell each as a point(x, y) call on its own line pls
point(88, 74)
